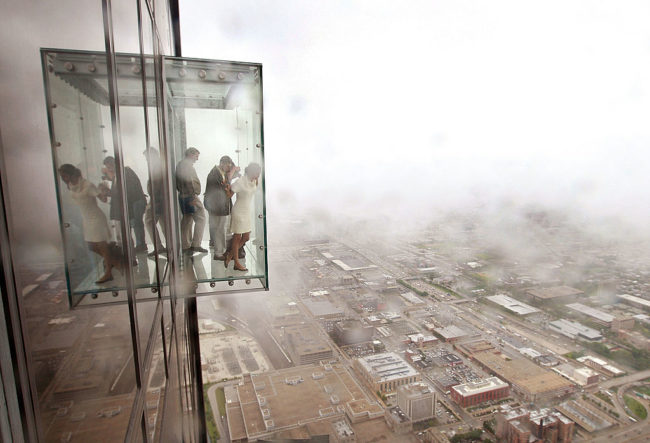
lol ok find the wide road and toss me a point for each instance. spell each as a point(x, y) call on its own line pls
point(642, 375)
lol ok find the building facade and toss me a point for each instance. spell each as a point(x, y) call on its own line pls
point(417, 401)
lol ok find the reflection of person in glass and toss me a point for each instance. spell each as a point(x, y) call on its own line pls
point(135, 200)
point(153, 213)
point(95, 225)
point(240, 220)
point(219, 204)
point(189, 189)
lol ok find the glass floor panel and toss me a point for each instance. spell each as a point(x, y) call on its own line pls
point(206, 269)
point(144, 273)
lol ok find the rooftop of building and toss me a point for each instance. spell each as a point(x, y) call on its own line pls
point(450, 332)
point(477, 387)
point(412, 298)
point(416, 389)
point(588, 310)
point(634, 299)
point(523, 373)
point(387, 366)
point(298, 395)
point(574, 328)
point(304, 339)
point(602, 363)
point(512, 305)
point(322, 308)
point(554, 292)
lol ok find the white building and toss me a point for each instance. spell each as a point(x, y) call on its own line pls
point(386, 372)
point(417, 401)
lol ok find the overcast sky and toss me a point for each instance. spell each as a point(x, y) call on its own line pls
point(379, 108)
point(388, 106)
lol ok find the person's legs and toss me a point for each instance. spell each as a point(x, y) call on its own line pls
point(212, 228)
point(234, 247)
point(244, 238)
point(151, 227)
point(221, 224)
point(186, 230)
point(199, 224)
point(138, 209)
point(102, 249)
point(241, 239)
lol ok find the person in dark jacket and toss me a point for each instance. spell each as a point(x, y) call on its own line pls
point(135, 201)
point(218, 203)
point(153, 214)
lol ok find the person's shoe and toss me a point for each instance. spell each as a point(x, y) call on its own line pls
point(199, 249)
point(240, 268)
point(141, 248)
point(219, 257)
point(188, 251)
point(104, 279)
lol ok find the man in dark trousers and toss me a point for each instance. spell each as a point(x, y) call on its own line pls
point(135, 200)
point(218, 203)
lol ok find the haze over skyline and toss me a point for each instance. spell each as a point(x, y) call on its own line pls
point(377, 110)
point(373, 107)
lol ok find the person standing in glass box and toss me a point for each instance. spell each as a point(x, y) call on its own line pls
point(189, 189)
point(218, 203)
point(240, 221)
point(135, 200)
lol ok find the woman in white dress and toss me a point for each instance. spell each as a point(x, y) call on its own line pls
point(95, 226)
point(240, 216)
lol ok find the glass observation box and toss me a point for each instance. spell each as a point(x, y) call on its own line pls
point(159, 174)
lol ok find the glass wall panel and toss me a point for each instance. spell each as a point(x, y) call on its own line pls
point(77, 93)
point(155, 389)
point(163, 26)
point(219, 175)
point(125, 25)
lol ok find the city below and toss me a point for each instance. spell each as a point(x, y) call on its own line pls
point(542, 334)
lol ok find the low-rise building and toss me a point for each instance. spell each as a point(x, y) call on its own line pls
point(601, 365)
point(385, 372)
point(573, 330)
point(519, 425)
point(581, 376)
point(473, 393)
point(422, 340)
point(512, 305)
point(348, 332)
point(525, 378)
point(555, 293)
point(451, 334)
point(304, 344)
point(635, 301)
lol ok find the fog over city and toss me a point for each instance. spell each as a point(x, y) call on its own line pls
point(374, 109)
point(403, 115)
